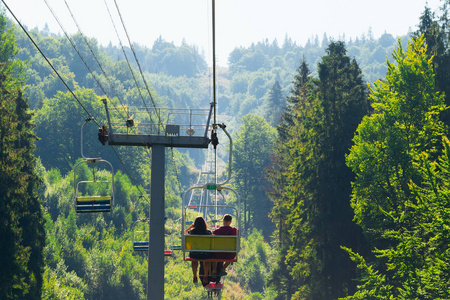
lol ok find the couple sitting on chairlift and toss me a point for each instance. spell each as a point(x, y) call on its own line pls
point(210, 268)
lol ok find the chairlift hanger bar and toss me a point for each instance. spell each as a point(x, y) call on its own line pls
point(214, 60)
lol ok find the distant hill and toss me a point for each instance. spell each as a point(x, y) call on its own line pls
point(180, 74)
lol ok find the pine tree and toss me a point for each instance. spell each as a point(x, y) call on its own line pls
point(316, 195)
point(298, 90)
point(274, 104)
point(21, 221)
point(280, 279)
point(343, 97)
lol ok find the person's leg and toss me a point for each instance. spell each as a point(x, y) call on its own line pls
point(194, 270)
point(214, 267)
point(225, 265)
point(207, 268)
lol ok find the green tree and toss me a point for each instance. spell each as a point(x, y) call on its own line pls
point(280, 279)
point(58, 127)
point(21, 221)
point(298, 90)
point(252, 149)
point(403, 125)
point(325, 115)
point(418, 262)
point(389, 177)
point(436, 33)
point(59, 123)
point(274, 104)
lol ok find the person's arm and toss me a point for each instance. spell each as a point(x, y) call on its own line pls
point(188, 229)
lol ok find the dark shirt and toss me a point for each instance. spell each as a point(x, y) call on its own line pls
point(194, 231)
point(225, 230)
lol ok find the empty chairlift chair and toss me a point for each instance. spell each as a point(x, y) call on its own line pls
point(98, 201)
point(141, 235)
point(102, 199)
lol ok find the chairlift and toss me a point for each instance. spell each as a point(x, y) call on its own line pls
point(99, 202)
point(140, 237)
point(211, 243)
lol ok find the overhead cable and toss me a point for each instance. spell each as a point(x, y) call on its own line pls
point(95, 57)
point(128, 62)
point(137, 61)
point(48, 61)
point(99, 64)
point(77, 50)
point(70, 90)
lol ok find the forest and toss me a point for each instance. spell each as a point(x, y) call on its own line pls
point(340, 156)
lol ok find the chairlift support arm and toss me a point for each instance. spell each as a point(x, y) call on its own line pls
point(150, 140)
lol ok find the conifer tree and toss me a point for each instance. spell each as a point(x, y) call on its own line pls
point(326, 112)
point(22, 235)
point(280, 279)
point(300, 80)
point(274, 104)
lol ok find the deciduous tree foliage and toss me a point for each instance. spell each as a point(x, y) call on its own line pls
point(437, 34)
point(252, 148)
point(405, 123)
point(21, 223)
point(397, 190)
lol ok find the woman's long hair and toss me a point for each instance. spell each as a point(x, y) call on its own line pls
point(199, 226)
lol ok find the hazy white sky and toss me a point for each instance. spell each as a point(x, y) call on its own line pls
point(238, 22)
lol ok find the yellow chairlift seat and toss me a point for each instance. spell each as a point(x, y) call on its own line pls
point(211, 243)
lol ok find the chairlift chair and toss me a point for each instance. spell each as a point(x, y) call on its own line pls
point(211, 243)
point(98, 202)
point(140, 237)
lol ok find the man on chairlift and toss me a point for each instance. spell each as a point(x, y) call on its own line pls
point(226, 229)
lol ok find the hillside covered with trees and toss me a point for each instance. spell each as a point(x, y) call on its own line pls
point(341, 159)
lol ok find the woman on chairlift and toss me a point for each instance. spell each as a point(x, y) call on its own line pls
point(201, 228)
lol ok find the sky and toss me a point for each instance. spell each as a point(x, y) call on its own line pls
point(238, 22)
